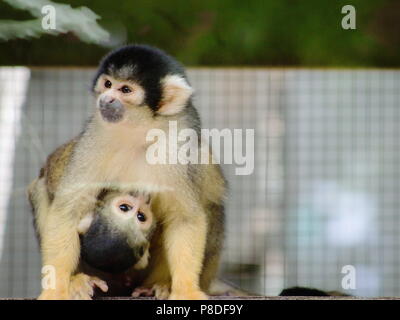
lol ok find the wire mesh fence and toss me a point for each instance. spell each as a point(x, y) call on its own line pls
point(324, 192)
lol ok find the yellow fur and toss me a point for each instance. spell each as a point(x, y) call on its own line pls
point(108, 154)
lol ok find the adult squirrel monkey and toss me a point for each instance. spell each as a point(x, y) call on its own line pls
point(138, 88)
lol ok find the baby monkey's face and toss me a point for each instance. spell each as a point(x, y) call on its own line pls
point(130, 212)
point(116, 235)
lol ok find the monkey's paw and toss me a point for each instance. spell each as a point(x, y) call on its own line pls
point(188, 295)
point(142, 292)
point(159, 291)
point(82, 286)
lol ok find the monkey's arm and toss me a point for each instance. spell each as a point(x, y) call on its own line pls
point(60, 243)
point(184, 237)
point(55, 222)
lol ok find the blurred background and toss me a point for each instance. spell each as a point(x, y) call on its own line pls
point(323, 101)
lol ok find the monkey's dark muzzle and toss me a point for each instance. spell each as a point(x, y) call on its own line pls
point(111, 111)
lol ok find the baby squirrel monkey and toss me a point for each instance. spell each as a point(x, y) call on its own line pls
point(138, 88)
point(116, 235)
point(115, 241)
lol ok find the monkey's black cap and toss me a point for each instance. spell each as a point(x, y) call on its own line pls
point(107, 250)
point(144, 64)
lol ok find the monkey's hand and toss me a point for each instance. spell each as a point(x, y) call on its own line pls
point(82, 286)
point(159, 291)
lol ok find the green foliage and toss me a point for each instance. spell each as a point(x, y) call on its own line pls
point(228, 32)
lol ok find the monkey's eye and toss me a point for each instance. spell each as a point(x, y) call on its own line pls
point(125, 207)
point(141, 217)
point(107, 84)
point(126, 89)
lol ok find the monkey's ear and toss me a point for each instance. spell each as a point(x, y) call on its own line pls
point(175, 95)
point(85, 222)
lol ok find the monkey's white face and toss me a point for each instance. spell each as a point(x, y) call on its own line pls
point(127, 212)
point(132, 208)
point(124, 101)
point(118, 100)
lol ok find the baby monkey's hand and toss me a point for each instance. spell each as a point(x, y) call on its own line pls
point(159, 291)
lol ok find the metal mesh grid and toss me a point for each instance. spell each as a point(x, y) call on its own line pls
point(323, 194)
point(341, 164)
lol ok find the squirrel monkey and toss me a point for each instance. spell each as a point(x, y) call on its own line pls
point(116, 235)
point(137, 88)
point(115, 241)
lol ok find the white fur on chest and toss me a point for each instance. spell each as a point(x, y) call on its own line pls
point(119, 157)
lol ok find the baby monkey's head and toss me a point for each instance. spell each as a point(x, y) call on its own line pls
point(116, 235)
